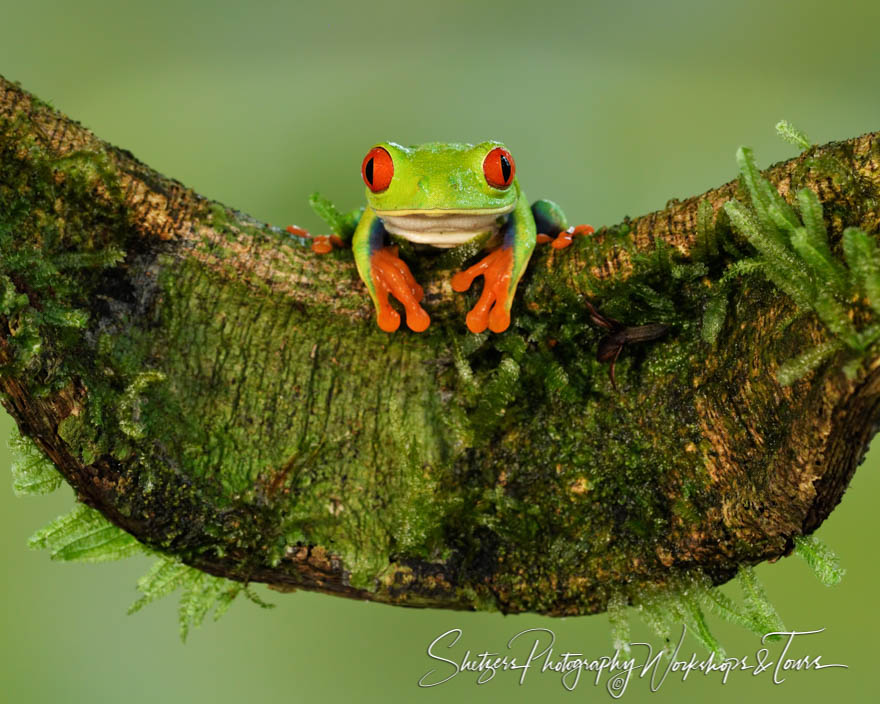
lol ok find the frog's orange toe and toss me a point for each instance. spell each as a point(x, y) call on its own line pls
point(499, 319)
point(565, 238)
point(417, 319)
point(477, 321)
point(321, 244)
point(388, 318)
point(298, 231)
point(462, 281)
point(562, 241)
point(405, 275)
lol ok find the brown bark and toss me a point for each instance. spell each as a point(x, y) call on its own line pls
point(771, 462)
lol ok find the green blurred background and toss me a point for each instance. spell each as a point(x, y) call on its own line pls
point(611, 108)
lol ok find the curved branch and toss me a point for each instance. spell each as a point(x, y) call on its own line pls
point(224, 395)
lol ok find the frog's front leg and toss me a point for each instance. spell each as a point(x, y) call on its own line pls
point(501, 270)
point(384, 272)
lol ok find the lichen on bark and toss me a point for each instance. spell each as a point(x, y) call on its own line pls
point(225, 396)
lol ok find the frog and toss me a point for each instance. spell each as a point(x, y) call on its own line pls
point(441, 195)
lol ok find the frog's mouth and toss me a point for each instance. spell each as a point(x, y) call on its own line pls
point(443, 228)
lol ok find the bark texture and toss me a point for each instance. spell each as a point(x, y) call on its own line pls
point(223, 394)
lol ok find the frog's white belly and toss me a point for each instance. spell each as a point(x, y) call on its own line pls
point(442, 228)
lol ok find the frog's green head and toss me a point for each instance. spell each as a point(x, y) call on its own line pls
point(438, 179)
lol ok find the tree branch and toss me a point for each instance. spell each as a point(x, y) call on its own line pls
point(224, 395)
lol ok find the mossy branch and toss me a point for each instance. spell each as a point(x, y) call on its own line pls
point(223, 395)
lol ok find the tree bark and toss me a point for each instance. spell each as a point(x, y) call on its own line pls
point(216, 389)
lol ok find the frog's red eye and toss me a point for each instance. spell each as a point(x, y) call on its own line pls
point(377, 169)
point(499, 168)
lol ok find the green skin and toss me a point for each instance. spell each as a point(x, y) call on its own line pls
point(442, 193)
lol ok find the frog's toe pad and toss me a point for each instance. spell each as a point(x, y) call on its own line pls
point(417, 319)
point(477, 321)
point(388, 318)
point(499, 319)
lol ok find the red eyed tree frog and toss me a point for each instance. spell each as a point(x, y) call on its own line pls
point(444, 195)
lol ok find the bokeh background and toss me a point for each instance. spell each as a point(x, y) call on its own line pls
point(610, 108)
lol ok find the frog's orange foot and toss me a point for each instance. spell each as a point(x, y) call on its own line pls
point(493, 308)
point(564, 238)
point(390, 274)
point(321, 244)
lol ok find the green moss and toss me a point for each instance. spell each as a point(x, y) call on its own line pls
point(200, 592)
point(506, 463)
point(84, 535)
point(792, 134)
point(32, 472)
point(82, 437)
point(794, 253)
